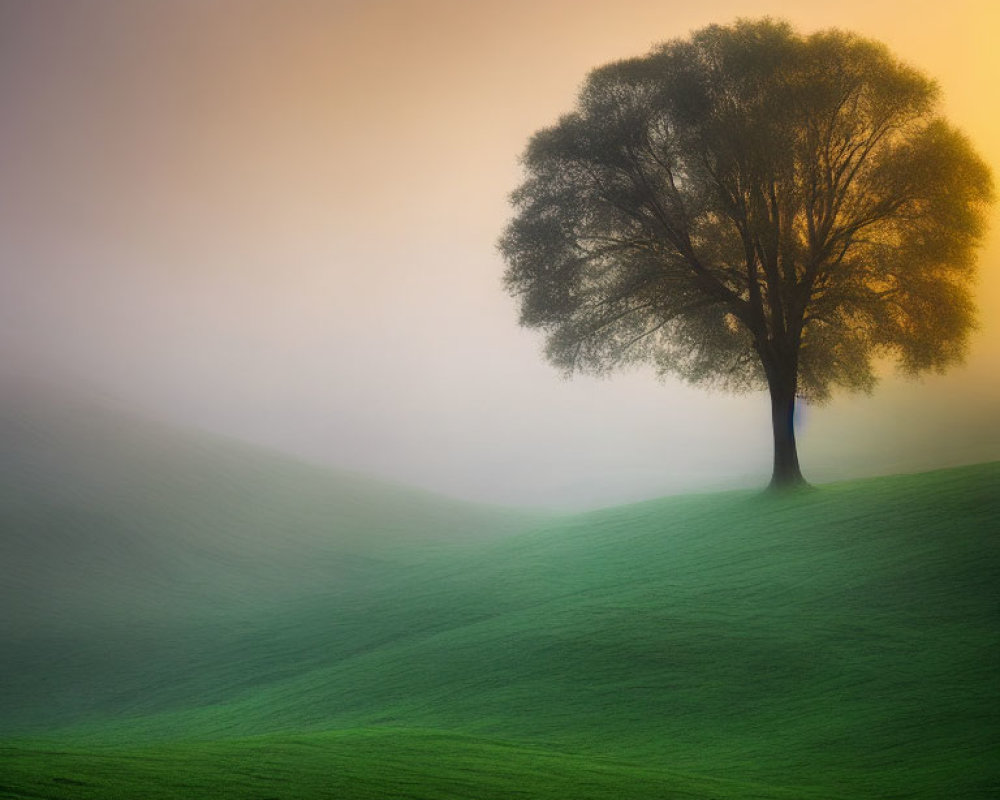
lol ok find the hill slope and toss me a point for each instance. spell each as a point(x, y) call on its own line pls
point(106, 518)
point(838, 643)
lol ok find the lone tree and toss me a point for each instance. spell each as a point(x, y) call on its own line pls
point(752, 208)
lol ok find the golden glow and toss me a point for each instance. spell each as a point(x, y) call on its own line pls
point(296, 204)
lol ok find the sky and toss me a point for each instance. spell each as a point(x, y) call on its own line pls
point(278, 221)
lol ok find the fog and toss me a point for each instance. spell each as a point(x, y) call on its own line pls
point(277, 221)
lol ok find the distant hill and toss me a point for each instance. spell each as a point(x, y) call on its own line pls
point(299, 633)
point(107, 514)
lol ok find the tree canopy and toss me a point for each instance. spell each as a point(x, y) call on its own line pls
point(752, 208)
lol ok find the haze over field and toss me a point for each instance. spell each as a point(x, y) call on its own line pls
point(278, 221)
point(239, 223)
point(186, 617)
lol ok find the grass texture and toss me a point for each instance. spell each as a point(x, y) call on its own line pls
point(840, 642)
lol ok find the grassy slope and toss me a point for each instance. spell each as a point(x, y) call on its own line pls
point(129, 550)
point(841, 642)
point(361, 764)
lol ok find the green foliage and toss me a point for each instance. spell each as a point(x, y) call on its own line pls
point(751, 207)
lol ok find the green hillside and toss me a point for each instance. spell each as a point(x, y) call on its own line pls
point(842, 642)
point(110, 518)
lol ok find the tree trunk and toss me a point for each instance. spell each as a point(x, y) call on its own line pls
point(786, 472)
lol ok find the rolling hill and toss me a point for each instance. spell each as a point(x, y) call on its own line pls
point(97, 502)
point(187, 617)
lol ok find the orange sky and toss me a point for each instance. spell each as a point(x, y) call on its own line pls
point(278, 220)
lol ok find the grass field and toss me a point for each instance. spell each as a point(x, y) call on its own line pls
point(241, 626)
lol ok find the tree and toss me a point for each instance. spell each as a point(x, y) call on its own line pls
point(752, 208)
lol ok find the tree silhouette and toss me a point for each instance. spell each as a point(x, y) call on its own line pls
point(752, 208)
